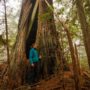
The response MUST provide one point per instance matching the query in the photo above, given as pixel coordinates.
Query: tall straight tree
(6, 27)
(85, 27)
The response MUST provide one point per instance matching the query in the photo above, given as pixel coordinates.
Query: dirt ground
(58, 81)
(55, 82)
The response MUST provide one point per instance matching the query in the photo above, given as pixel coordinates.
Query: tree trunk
(48, 38)
(85, 28)
(6, 27)
(18, 55)
(74, 61)
(77, 58)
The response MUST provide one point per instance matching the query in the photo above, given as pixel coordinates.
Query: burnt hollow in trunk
(33, 32)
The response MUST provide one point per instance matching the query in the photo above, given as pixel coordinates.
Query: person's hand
(40, 56)
(32, 65)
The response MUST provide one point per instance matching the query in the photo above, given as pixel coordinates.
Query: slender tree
(6, 27)
(74, 60)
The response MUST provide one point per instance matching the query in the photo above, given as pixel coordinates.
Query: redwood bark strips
(17, 63)
(47, 37)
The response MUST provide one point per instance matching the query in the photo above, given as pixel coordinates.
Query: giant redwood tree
(36, 24)
(27, 24)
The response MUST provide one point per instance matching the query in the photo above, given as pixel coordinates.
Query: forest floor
(57, 82)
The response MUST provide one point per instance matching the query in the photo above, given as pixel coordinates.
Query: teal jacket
(33, 55)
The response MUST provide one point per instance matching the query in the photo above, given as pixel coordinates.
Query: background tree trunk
(6, 27)
(74, 61)
(85, 28)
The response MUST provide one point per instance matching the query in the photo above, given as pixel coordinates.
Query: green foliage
(74, 30)
(87, 9)
(46, 16)
(61, 11)
(84, 64)
(58, 1)
(12, 16)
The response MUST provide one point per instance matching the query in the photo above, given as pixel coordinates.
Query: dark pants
(34, 73)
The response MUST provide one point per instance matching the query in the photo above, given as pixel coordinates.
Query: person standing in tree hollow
(34, 59)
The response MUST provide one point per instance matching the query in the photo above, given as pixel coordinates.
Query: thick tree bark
(85, 28)
(47, 38)
(18, 55)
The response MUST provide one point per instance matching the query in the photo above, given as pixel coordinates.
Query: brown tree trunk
(74, 61)
(18, 55)
(85, 28)
(48, 37)
(77, 58)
